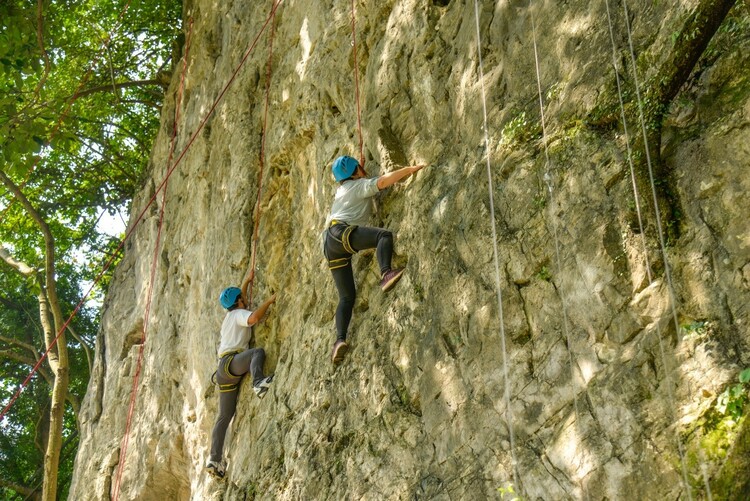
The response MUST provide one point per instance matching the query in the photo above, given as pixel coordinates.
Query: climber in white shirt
(235, 360)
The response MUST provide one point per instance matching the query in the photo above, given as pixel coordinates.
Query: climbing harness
(498, 288)
(334, 264)
(225, 359)
(344, 236)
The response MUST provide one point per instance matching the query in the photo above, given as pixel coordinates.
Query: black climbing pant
(232, 367)
(339, 259)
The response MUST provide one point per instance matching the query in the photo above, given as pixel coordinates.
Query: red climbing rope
(142, 214)
(131, 409)
(261, 161)
(154, 261)
(73, 98)
(356, 90)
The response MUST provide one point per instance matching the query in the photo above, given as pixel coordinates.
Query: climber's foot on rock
(339, 352)
(390, 278)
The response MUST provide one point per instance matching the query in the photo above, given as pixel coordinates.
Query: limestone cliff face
(418, 410)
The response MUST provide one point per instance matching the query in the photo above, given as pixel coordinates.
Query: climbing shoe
(216, 469)
(390, 278)
(262, 387)
(339, 352)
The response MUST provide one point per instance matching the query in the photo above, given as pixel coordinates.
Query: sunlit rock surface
(602, 386)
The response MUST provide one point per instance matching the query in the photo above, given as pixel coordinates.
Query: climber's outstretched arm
(394, 177)
(257, 315)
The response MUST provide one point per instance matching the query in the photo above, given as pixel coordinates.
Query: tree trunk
(658, 93)
(58, 358)
(58, 350)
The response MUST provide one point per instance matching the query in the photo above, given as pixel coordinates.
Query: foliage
(544, 274)
(519, 129)
(720, 430)
(697, 329)
(22, 432)
(79, 108)
(732, 400)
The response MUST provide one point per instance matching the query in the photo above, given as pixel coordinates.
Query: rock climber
(236, 360)
(346, 234)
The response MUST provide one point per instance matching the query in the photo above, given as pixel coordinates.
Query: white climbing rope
(662, 245)
(508, 410)
(548, 180)
(627, 144)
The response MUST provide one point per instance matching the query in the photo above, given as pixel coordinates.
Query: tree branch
(48, 300)
(20, 489)
(657, 93)
(114, 86)
(11, 355)
(21, 267)
(20, 344)
(40, 41)
(31, 362)
(696, 33)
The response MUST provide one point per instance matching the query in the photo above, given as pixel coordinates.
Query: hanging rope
(71, 100)
(356, 90)
(262, 157)
(152, 277)
(667, 368)
(498, 288)
(637, 198)
(142, 214)
(548, 181)
(636, 195)
(550, 188)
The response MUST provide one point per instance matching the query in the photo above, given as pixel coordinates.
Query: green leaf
(745, 376)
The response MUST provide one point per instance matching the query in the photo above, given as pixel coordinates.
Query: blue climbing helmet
(229, 297)
(344, 167)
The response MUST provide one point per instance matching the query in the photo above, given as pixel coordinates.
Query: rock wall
(603, 386)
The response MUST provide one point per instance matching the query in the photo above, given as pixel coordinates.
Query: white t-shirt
(235, 333)
(352, 202)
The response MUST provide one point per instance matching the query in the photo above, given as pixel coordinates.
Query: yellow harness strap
(229, 356)
(334, 264)
(345, 239)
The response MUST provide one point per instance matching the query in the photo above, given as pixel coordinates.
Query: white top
(235, 333)
(352, 203)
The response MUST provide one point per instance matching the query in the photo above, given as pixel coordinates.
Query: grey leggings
(228, 376)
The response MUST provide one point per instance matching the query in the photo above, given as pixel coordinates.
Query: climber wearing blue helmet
(346, 234)
(235, 360)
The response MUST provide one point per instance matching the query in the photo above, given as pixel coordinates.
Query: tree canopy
(81, 89)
